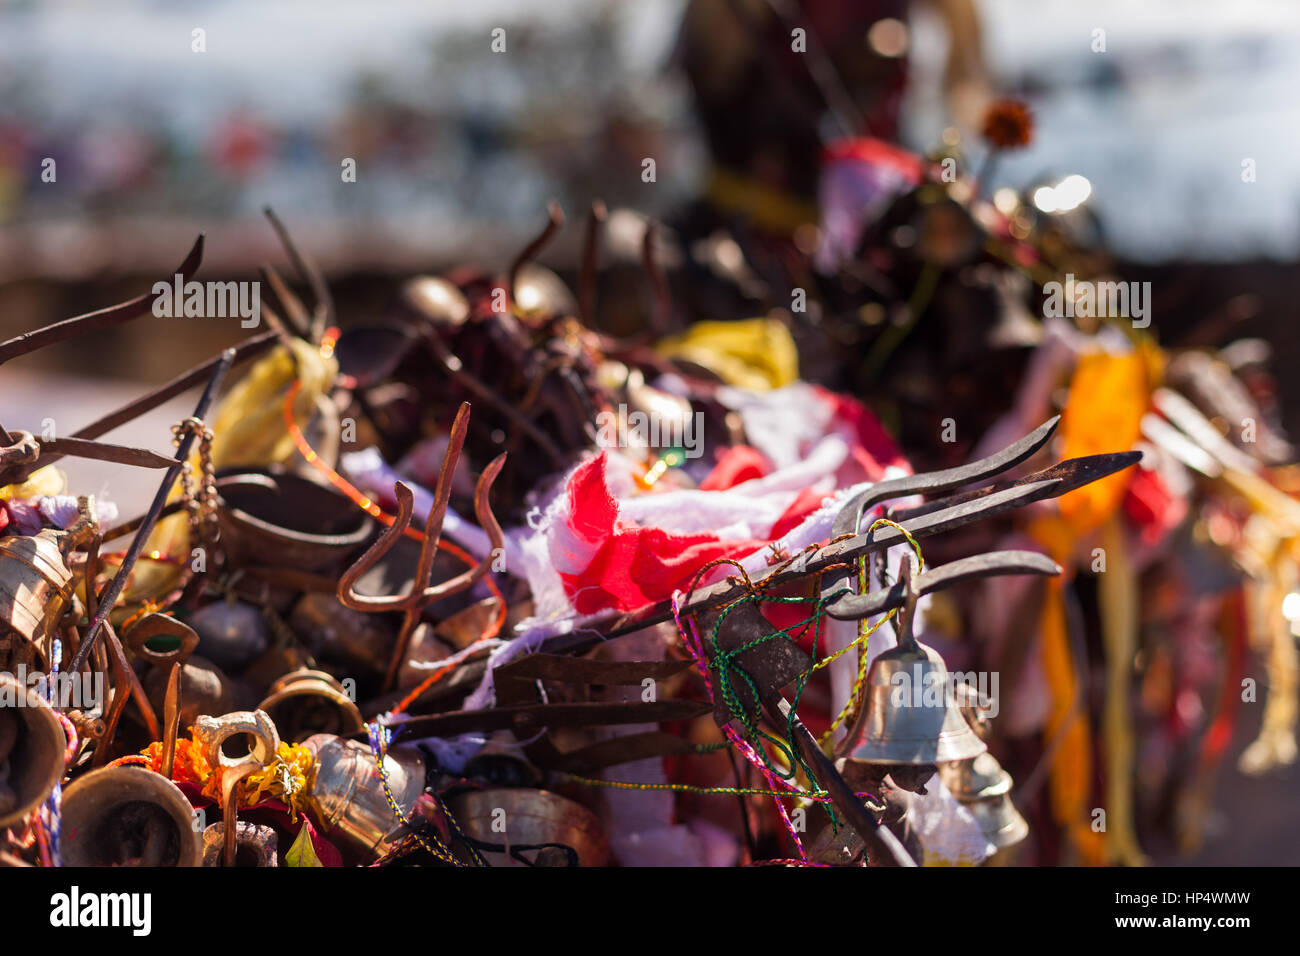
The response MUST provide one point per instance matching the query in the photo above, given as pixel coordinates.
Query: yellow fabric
(1070, 781)
(768, 209)
(757, 354)
(1109, 394)
(248, 428)
(43, 481)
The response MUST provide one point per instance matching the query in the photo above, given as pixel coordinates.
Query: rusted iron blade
(171, 719)
(849, 520)
(294, 310)
(517, 685)
(94, 321)
(308, 272)
(587, 275)
(103, 451)
(855, 606)
(254, 345)
(623, 749)
(662, 314)
(1075, 473)
(554, 222)
(250, 347)
(576, 670)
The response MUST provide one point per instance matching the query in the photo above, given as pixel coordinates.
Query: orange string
(373, 509)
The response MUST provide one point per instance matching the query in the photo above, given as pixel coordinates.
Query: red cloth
(735, 465)
(610, 563)
(875, 449)
(631, 566)
(1151, 506)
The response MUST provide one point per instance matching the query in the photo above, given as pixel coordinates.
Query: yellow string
(853, 705)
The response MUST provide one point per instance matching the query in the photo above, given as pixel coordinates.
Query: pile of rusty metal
(681, 628)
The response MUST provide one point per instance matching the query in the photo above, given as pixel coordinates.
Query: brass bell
(347, 802)
(436, 299)
(307, 702)
(32, 745)
(523, 817)
(911, 716)
(128, 816)
(346, 638)
(36, 588)
(984, 788)
(540, 292)
(255, 845)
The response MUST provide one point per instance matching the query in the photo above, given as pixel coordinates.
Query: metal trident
(422, 593)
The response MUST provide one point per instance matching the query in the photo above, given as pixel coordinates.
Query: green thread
(727, 669)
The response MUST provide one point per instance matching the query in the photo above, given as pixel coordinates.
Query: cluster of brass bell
(131, 816)
(915, 723)
(910, 717)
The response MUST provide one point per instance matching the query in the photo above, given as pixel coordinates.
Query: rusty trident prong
(587, 277)
(422, 592)
(554, 222)
(322, 313)
(97, 320)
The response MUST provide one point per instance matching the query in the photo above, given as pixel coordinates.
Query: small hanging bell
(984, 788)
(910, 716)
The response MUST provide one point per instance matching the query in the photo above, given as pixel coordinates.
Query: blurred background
(457, 149)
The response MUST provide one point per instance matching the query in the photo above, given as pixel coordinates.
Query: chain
(200, 501)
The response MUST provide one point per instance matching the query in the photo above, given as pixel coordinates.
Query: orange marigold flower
(1008, 124)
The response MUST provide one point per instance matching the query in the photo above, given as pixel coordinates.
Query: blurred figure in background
(775, 81)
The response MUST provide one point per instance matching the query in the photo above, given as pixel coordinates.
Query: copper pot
(281, 520)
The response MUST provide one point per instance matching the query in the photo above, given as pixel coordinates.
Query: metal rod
(171, 719)
(103, 451)
(94, 321)
(254, 345)
(309, 272)
(115, 587)
(882, 846)
(587, 277)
